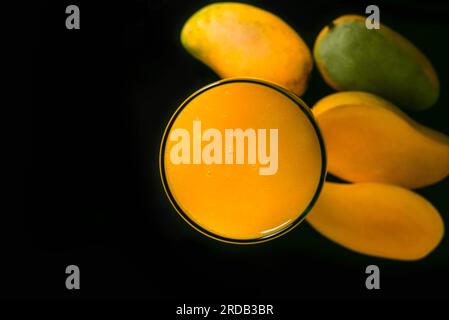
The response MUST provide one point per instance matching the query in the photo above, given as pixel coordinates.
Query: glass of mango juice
(242, 160)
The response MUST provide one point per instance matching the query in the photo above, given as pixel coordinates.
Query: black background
(102, 96)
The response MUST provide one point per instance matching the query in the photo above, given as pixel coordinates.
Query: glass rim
(290, 226)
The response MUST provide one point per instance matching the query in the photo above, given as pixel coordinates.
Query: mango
(368, 139)
(240, 40)
(351, 57)
(379, 220)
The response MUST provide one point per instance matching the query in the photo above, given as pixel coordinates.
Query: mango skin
(240, 40)
(368, 139)
(379, 220)
(351, 57)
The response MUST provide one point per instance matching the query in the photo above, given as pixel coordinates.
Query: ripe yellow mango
(351, 57)
(368, 139)
(240, 40)
(377, 219)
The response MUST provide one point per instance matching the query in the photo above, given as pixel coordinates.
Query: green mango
(350, 56)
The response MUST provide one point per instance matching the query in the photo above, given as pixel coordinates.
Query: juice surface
(241, 201)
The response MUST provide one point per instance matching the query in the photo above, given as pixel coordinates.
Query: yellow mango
(378, 220)
(368, 139)
(240, 40)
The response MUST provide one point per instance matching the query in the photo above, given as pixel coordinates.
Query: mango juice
(242, 160)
